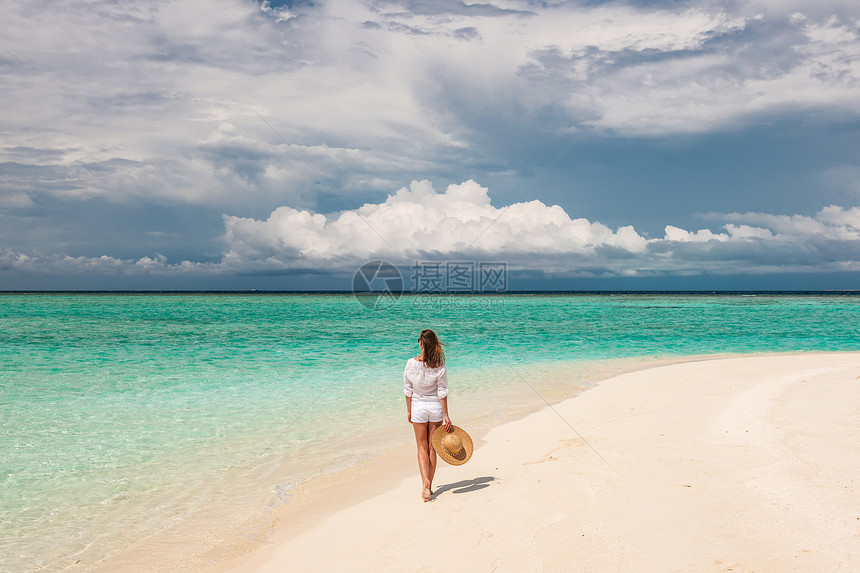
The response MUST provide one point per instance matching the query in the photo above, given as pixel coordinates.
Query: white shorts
(426, 412)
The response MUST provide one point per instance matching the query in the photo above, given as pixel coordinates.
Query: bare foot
(426, 492)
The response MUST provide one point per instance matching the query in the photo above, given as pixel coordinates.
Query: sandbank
(747, 463)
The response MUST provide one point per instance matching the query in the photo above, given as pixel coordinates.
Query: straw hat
(454, 447)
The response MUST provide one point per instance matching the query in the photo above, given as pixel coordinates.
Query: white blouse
(424, 384)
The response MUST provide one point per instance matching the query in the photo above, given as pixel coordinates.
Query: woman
(425, 384)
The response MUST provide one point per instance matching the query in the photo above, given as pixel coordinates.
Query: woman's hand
(449, 427)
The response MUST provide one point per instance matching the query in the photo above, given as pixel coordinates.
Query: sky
(238, 144)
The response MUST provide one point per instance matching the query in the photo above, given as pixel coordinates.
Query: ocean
(132, 417)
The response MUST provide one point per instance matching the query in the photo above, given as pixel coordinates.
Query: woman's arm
(407, 391)
(449, 427)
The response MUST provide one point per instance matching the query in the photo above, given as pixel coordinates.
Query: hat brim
(463, 455)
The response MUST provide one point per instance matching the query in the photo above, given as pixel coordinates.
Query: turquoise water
(124, 414)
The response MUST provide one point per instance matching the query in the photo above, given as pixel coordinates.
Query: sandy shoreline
(743, 463)
(208, 535)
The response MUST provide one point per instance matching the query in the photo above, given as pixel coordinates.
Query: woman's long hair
(434, 356)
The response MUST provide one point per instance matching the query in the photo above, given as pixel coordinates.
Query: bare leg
(430, 427)
(422, 440)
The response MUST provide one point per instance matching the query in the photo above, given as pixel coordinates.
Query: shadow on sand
(465, 486)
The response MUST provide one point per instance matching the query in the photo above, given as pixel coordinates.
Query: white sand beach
(731, 464)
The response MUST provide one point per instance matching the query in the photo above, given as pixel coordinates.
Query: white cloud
(137, 95)
(417, 223)
(677, 234)
(63, 264)
(747, 232)
(823, 224)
